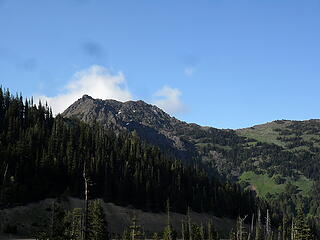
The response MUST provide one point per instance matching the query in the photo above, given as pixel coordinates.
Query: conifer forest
(53, 157)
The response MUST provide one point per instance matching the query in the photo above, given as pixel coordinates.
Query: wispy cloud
(189, 71)
(100, 82)
(96, 81)
(168, 99)
(190, 61)
(93, 49)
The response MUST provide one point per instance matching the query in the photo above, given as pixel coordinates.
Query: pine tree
(212, 234)
(73, 223)
(202, 233)
(239, 232)
(285, 228)
(169, 233)
(301, 228)
(126, 235)
(97, 226)
(54, 227)
(135, 230)
(155, 236)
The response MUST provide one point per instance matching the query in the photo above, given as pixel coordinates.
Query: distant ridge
(272, 148)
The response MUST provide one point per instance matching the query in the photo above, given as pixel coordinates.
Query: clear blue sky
(234, 63)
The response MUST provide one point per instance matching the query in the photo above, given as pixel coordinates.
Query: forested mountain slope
(278, 160)
(285, 148)
(298, 139)
(42, 156)
(132, 155)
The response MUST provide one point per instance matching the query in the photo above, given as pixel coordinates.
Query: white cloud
(97, 82)
(169, 100)
(189, 71)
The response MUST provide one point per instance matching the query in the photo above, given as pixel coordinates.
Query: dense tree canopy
(43, 156)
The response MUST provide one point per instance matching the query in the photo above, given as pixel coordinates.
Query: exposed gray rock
(184, 140)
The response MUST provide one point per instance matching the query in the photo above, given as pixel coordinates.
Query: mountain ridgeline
(43, 156)
(291, 149)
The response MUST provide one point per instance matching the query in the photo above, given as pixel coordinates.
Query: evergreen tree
(73, 223)
(54, 226)
(126, 235)
(97, 225)
(155, 236)
(135, 230)
(301, 228)
(239, 232)
(169, 233)
(202, 232)
(212, 234)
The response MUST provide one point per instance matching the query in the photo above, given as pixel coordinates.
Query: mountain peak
(85, 96)
(152, 123)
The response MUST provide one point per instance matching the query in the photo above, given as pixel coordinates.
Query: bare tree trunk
(252, 224)
(268, 224)
(85, 219)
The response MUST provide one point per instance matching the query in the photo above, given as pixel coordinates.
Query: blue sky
(227, 64)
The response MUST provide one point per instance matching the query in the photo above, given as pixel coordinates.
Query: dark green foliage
(97, 224)
(212, 233)
(126, 235)
(155, 236)
(73, 223)
(44, 157)
(278, 179)
(169, 233)
(197, 232)
(301, 228)
(135, 230)
(54, 227)
(239, 232)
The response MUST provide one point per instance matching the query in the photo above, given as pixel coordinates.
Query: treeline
(42, 156)
(69, 225)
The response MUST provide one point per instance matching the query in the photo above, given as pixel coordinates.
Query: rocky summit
(150, 122)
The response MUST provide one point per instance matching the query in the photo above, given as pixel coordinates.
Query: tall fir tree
(97, 226)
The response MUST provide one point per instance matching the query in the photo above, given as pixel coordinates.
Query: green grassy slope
(265, 132)
(263, 184)
(282, 133)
